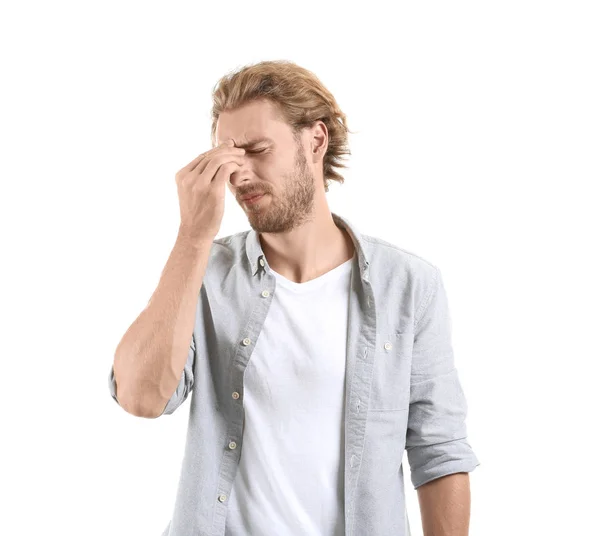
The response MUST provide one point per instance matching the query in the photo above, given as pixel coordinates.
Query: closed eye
(256, 151)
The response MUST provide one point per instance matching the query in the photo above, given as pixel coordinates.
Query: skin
(445, 505)
(296, 229)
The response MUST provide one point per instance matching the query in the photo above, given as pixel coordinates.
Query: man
(316, 355)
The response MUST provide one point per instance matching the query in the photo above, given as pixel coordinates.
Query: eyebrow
(254, 142)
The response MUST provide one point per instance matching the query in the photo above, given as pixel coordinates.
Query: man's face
(276, 167)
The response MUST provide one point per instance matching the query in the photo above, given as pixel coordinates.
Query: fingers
(208, 169)
(224, 172)
(225, 146)
(219, 157)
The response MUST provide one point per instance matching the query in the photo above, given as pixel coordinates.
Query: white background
(477, 148)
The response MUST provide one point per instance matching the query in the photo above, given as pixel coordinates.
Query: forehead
(257, 119)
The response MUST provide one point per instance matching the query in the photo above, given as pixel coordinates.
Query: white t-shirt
(290, 479)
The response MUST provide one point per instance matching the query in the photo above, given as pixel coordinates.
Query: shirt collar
(258, 261)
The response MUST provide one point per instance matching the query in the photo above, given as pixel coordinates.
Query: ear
(319, 141)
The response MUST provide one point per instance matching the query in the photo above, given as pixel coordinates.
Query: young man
(316, 355)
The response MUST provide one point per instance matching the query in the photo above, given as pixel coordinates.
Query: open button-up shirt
(402, 388)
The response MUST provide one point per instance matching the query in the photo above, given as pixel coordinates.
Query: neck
(310, 250)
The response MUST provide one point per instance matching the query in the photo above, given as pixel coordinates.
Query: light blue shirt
(402, 388)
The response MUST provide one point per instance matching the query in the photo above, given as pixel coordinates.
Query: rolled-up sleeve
(185, 386)
(436, 437)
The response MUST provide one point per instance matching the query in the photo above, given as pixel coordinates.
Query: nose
(243, 174)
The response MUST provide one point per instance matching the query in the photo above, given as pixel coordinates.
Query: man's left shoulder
(393, 257)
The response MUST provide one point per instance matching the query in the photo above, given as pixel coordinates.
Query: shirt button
(246, 341)
(262, 262)
(265, 293)
(388, 345)
(235, 395)
(232, 445)
(222, 498)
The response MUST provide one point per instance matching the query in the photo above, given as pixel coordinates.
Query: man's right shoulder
(227, 249)
(234, 240)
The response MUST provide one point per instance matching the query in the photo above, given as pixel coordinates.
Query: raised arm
(158, 348)
(150, 359)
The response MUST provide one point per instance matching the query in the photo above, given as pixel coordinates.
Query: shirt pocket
(390, 388)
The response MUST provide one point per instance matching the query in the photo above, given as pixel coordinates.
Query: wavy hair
(300, 98)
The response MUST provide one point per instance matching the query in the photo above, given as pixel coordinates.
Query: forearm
(445, 505)
(150, 358)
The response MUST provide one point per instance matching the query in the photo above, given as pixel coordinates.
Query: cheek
(269, 171)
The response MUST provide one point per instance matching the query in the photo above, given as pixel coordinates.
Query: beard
(295, 205)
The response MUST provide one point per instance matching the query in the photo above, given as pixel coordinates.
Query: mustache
(252, 192)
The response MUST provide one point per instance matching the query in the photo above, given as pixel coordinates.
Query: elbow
(137, 398)
(144, 406)
(142, 398)
(141, 410)
(147, 413)
(140, 403)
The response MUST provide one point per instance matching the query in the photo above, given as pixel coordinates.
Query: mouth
(252, 199)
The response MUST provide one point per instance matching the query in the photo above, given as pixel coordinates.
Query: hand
(201, 191)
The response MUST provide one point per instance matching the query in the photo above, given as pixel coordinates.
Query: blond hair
(300, 98)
